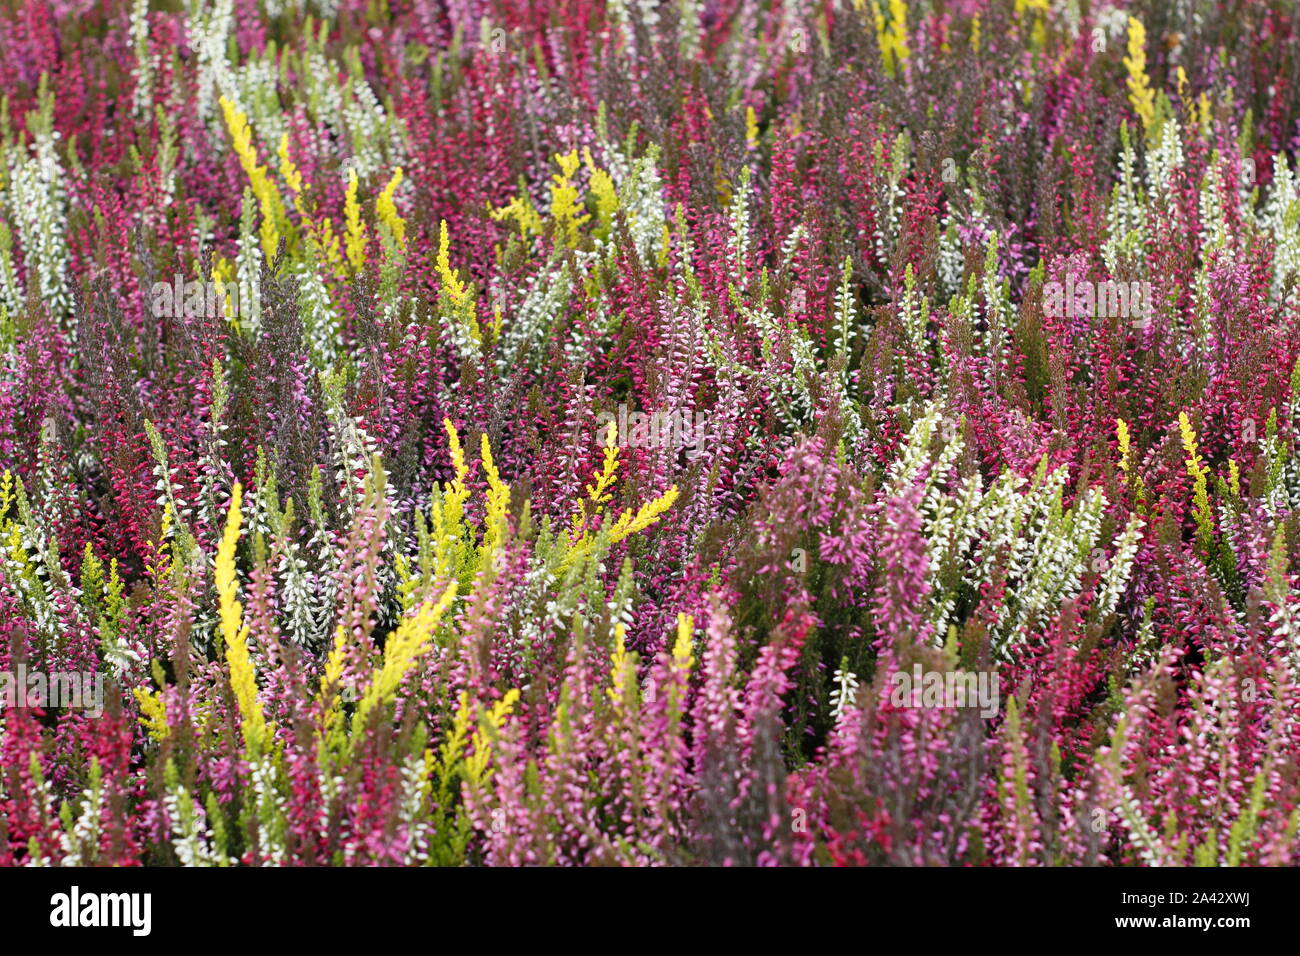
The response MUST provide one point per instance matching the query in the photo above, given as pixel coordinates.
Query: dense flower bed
(683, 432)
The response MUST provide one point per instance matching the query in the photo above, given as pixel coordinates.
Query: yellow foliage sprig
(411, 640)
(1198, 473)
(566, 204)
(891, 36)
(234, 633)
(224, 277)
(490, 724)
(523, 212)
(447, 514)
(356, 240)
(1140, 94)
(602, 189)
(20, 561)
(629, 524)
(680, 665)
(454, 744)
(386, 209)
(323, 240)
(153, 712)
(1131, 477)
(328, 697)
(268, 197)
(458, 740)
(1121, 432)
(290, 172)
(621, 673)
(453, 289)
(682, 656)
(457, 491)
(498, 502)
(598, 495)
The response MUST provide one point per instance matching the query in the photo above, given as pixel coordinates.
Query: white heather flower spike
(844, 691)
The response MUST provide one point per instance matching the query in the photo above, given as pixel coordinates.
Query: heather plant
(337, 344)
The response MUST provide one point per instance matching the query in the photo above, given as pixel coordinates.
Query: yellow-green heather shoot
(476, 766)
(1198, 473)
(498, 501)
(1140, 93)
(234, 633)
(646, 515)
(682, 657)
(621, 674)
(386, 208)
(412, 639)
